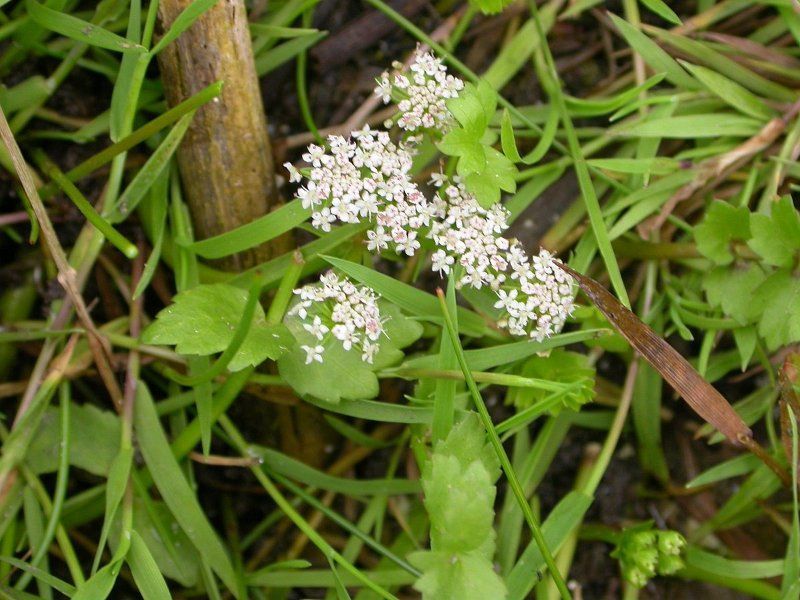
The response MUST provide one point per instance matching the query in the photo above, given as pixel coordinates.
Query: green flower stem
(87, 210)
(302, 88)
(285, 291)
(508, 469)
(481, 377)
(241, 445)
(610, 443)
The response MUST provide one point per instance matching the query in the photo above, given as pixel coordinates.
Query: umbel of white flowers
(336, 307)
(367, 178)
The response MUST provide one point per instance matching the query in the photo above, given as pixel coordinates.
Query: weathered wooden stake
(225, 157)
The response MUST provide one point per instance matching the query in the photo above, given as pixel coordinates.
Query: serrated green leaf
(722, 225)
(777, 237)
(465, 146)
(780, 320)
(342, 374)
(745, 338)
(563, 366)
(202, 321)
(731, 288)
(462, 576)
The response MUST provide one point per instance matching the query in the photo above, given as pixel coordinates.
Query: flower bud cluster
(644, 553)
(338, 308)
(424, 91)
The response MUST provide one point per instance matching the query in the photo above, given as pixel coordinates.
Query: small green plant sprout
(458, 482)
(644, 553)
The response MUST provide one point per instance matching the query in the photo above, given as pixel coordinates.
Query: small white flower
(295, 176)
(317, 328)
(313, 353)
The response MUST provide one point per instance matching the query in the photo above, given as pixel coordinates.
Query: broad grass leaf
(483, 359)
(656, 166)
(202, 321)
(166, 542)
(289, 467)
(734, 467)
(662, 10)
(144, 180)
(149, 581)
(561, 521)
(709, 125)
(54, 582)
(376, 411)
(93, 445)
(342, 374)
(182, 22)
(583, 107)
(736, 569)
(731, 92)
(275, 57)
(175, 489)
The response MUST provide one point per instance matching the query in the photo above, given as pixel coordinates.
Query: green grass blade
(147, 175)
(175, 490)
(78, 29)
(275, 57)
(182, 22)
(257, 232)
(149, 580)
(556, 528)
(656, 57)
(727, 90)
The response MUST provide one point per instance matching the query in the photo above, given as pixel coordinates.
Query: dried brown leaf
(676, 370)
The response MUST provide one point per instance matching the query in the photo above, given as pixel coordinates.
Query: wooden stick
(225, 157)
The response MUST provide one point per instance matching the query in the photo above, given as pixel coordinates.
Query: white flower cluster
(338, 308)
(367, 178)
(424, 90)
(535, 295)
